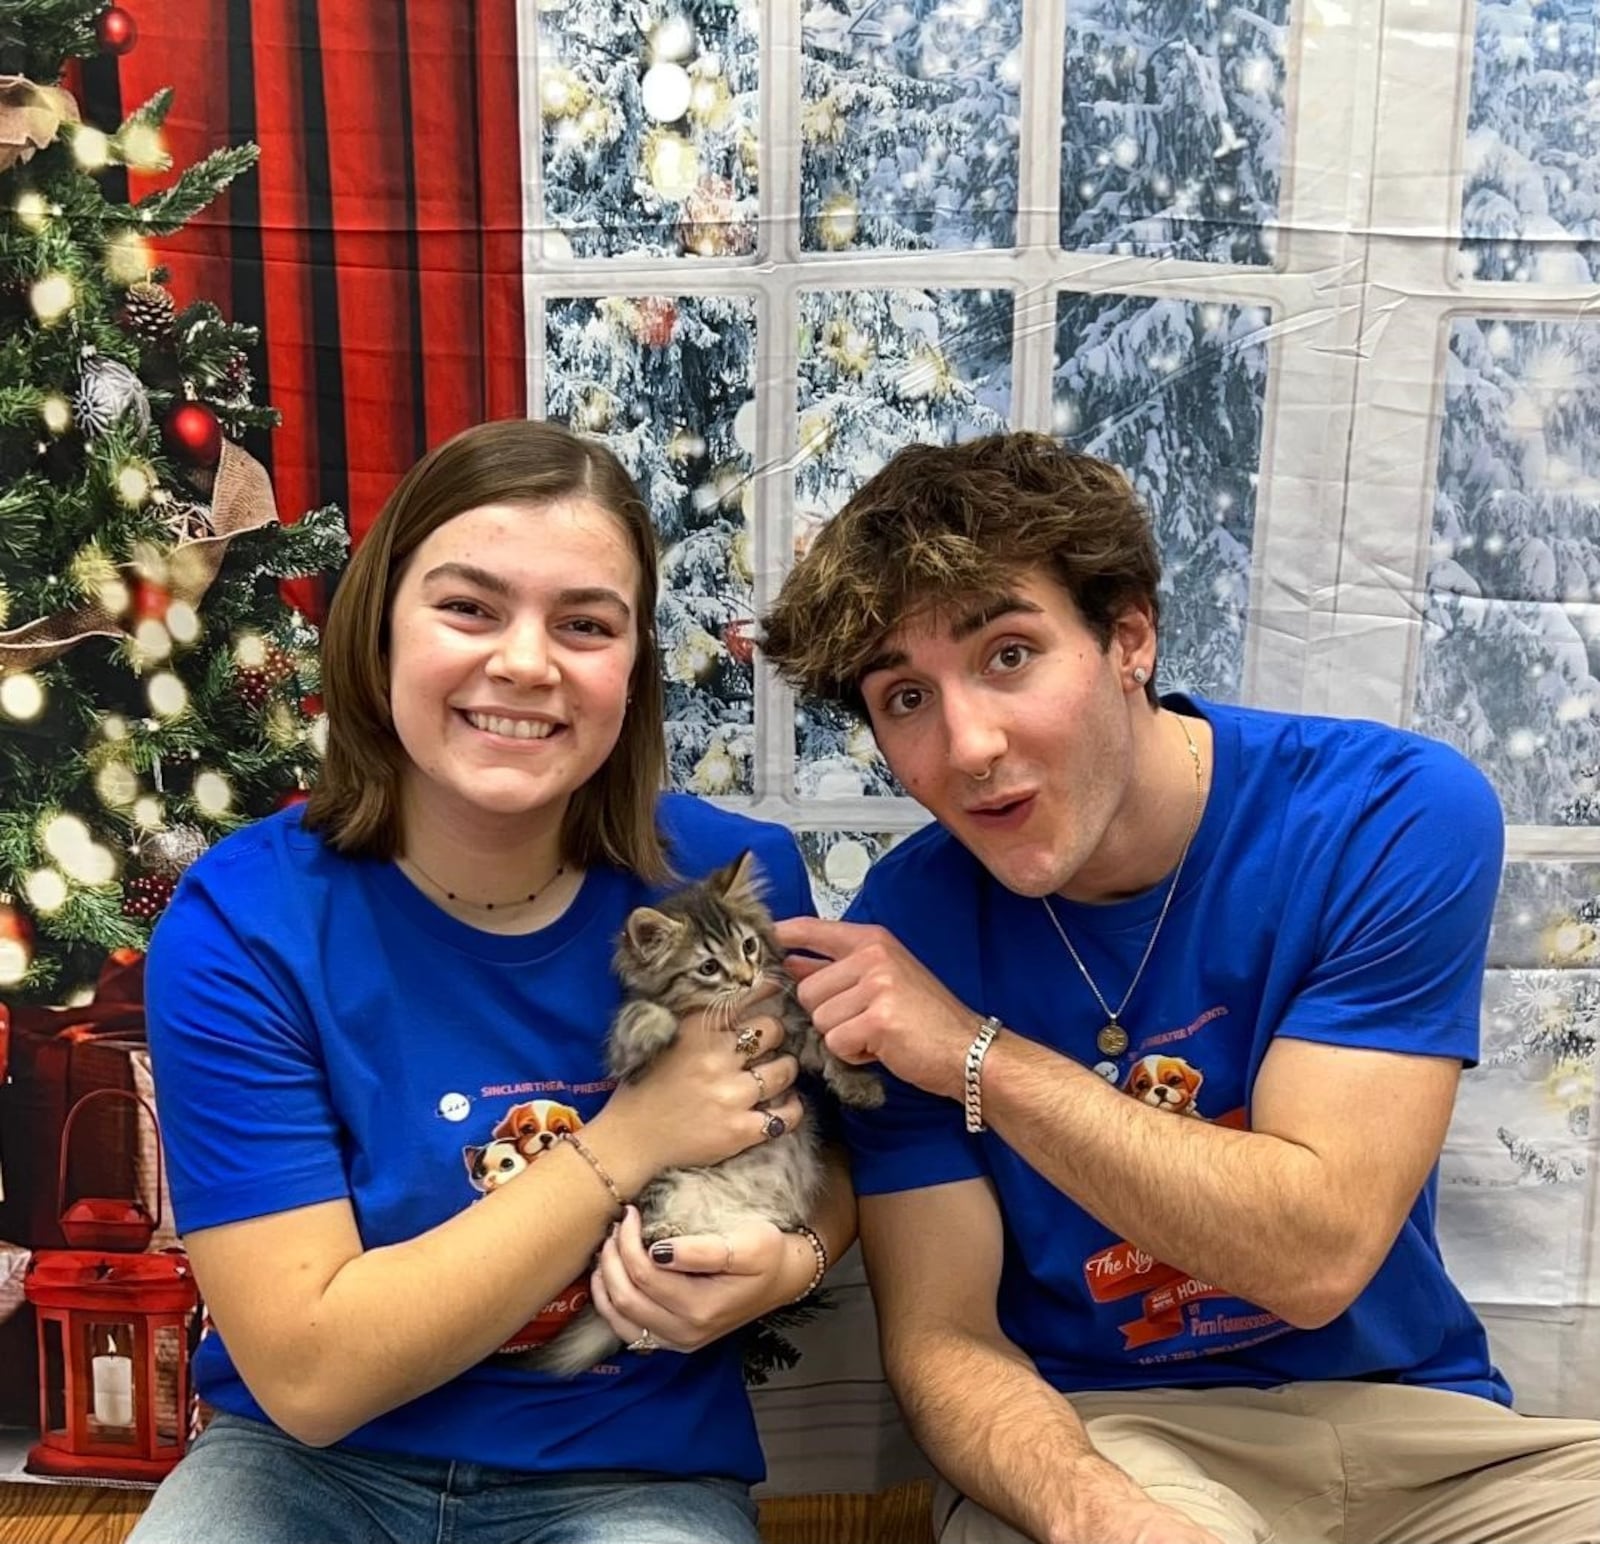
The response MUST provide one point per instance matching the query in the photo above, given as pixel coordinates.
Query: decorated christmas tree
(155, 690)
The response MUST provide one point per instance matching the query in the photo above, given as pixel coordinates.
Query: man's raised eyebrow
(991, 611)
(889, 659)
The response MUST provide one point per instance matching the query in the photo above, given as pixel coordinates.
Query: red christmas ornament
(293, 797)
(254, 683)
(150, 601)
(191, 433)
(655, 321)
(115, 31)
(738, 642)
(16, 944)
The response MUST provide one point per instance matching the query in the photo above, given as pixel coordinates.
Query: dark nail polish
(661, 1253)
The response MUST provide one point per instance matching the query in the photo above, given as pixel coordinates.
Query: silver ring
(761, 1082)
(645, 1344)
(985, 776)
(748, 1041)
(773, 1128)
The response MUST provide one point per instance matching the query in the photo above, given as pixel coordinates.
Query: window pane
(650, 115)
(1530, 198)
(1512, 629)
(1173, 128)
(910, 123)
(1174, 392)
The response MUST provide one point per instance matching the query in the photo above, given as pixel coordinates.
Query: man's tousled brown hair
(946, 525)
(356, 800)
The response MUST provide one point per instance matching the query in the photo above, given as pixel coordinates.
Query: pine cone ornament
(107, 390)
(150, 314)
(166, 854)
(145, 898)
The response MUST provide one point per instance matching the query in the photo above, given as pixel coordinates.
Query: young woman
(377, 1026)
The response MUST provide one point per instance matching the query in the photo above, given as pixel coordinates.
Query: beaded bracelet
(582, 1147)
(820, 1250)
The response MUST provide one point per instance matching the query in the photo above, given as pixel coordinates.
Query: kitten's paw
(855, 1086)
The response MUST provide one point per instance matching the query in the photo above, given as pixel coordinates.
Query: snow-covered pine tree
(1172, 128)
(1173, 391)
(154, 689)
(1509, 661)
(1530, 207)
(910, 123)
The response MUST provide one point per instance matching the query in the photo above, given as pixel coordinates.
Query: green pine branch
(171, 208)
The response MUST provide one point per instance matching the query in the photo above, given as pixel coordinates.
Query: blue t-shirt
(1339, 889)
(321, 1031)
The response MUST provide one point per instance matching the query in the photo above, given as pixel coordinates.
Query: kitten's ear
(650, 931)
(741, 880)
(470, 1157)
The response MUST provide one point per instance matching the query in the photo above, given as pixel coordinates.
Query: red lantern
(113, 1337)
(115, 31)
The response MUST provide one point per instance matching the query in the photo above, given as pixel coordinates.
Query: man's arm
(991, 1425)
(1295, 1215)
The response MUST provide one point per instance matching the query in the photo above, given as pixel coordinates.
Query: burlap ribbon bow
(30, 117)
(241, 500)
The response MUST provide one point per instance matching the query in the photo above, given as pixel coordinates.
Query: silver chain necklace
(1112, 1040)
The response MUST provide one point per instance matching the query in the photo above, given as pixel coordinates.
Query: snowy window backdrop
(1531, 193)
(1318, 275)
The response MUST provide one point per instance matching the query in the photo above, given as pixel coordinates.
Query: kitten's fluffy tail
(585, 1341)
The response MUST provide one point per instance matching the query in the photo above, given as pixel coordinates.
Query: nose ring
(983, 777)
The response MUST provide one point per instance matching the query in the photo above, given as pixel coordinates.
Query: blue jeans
(247, 1483)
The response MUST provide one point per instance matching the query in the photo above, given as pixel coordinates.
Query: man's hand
(1107, 1504)
(872, 1001)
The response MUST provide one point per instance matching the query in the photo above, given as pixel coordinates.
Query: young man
(1175, 997)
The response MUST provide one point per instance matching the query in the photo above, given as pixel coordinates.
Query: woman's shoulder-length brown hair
(356, 801)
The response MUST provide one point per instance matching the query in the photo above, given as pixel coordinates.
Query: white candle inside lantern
(113, 1387)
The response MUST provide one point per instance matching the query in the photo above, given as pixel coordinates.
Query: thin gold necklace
(1112, 1039)
(463, 900)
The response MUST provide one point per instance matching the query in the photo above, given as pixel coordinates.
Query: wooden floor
(84, 1514)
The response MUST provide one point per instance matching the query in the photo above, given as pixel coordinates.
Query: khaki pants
(1337, 1463)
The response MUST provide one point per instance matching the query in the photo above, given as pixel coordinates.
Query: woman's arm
(328, 1335)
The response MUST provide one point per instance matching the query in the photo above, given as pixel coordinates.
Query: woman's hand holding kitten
(695, 1104)
(712, 1284)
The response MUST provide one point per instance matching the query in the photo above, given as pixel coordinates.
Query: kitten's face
(710, 941)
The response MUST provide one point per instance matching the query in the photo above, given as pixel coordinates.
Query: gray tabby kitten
(702, 948)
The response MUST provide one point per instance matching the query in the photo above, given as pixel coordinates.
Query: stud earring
(1140, 675)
